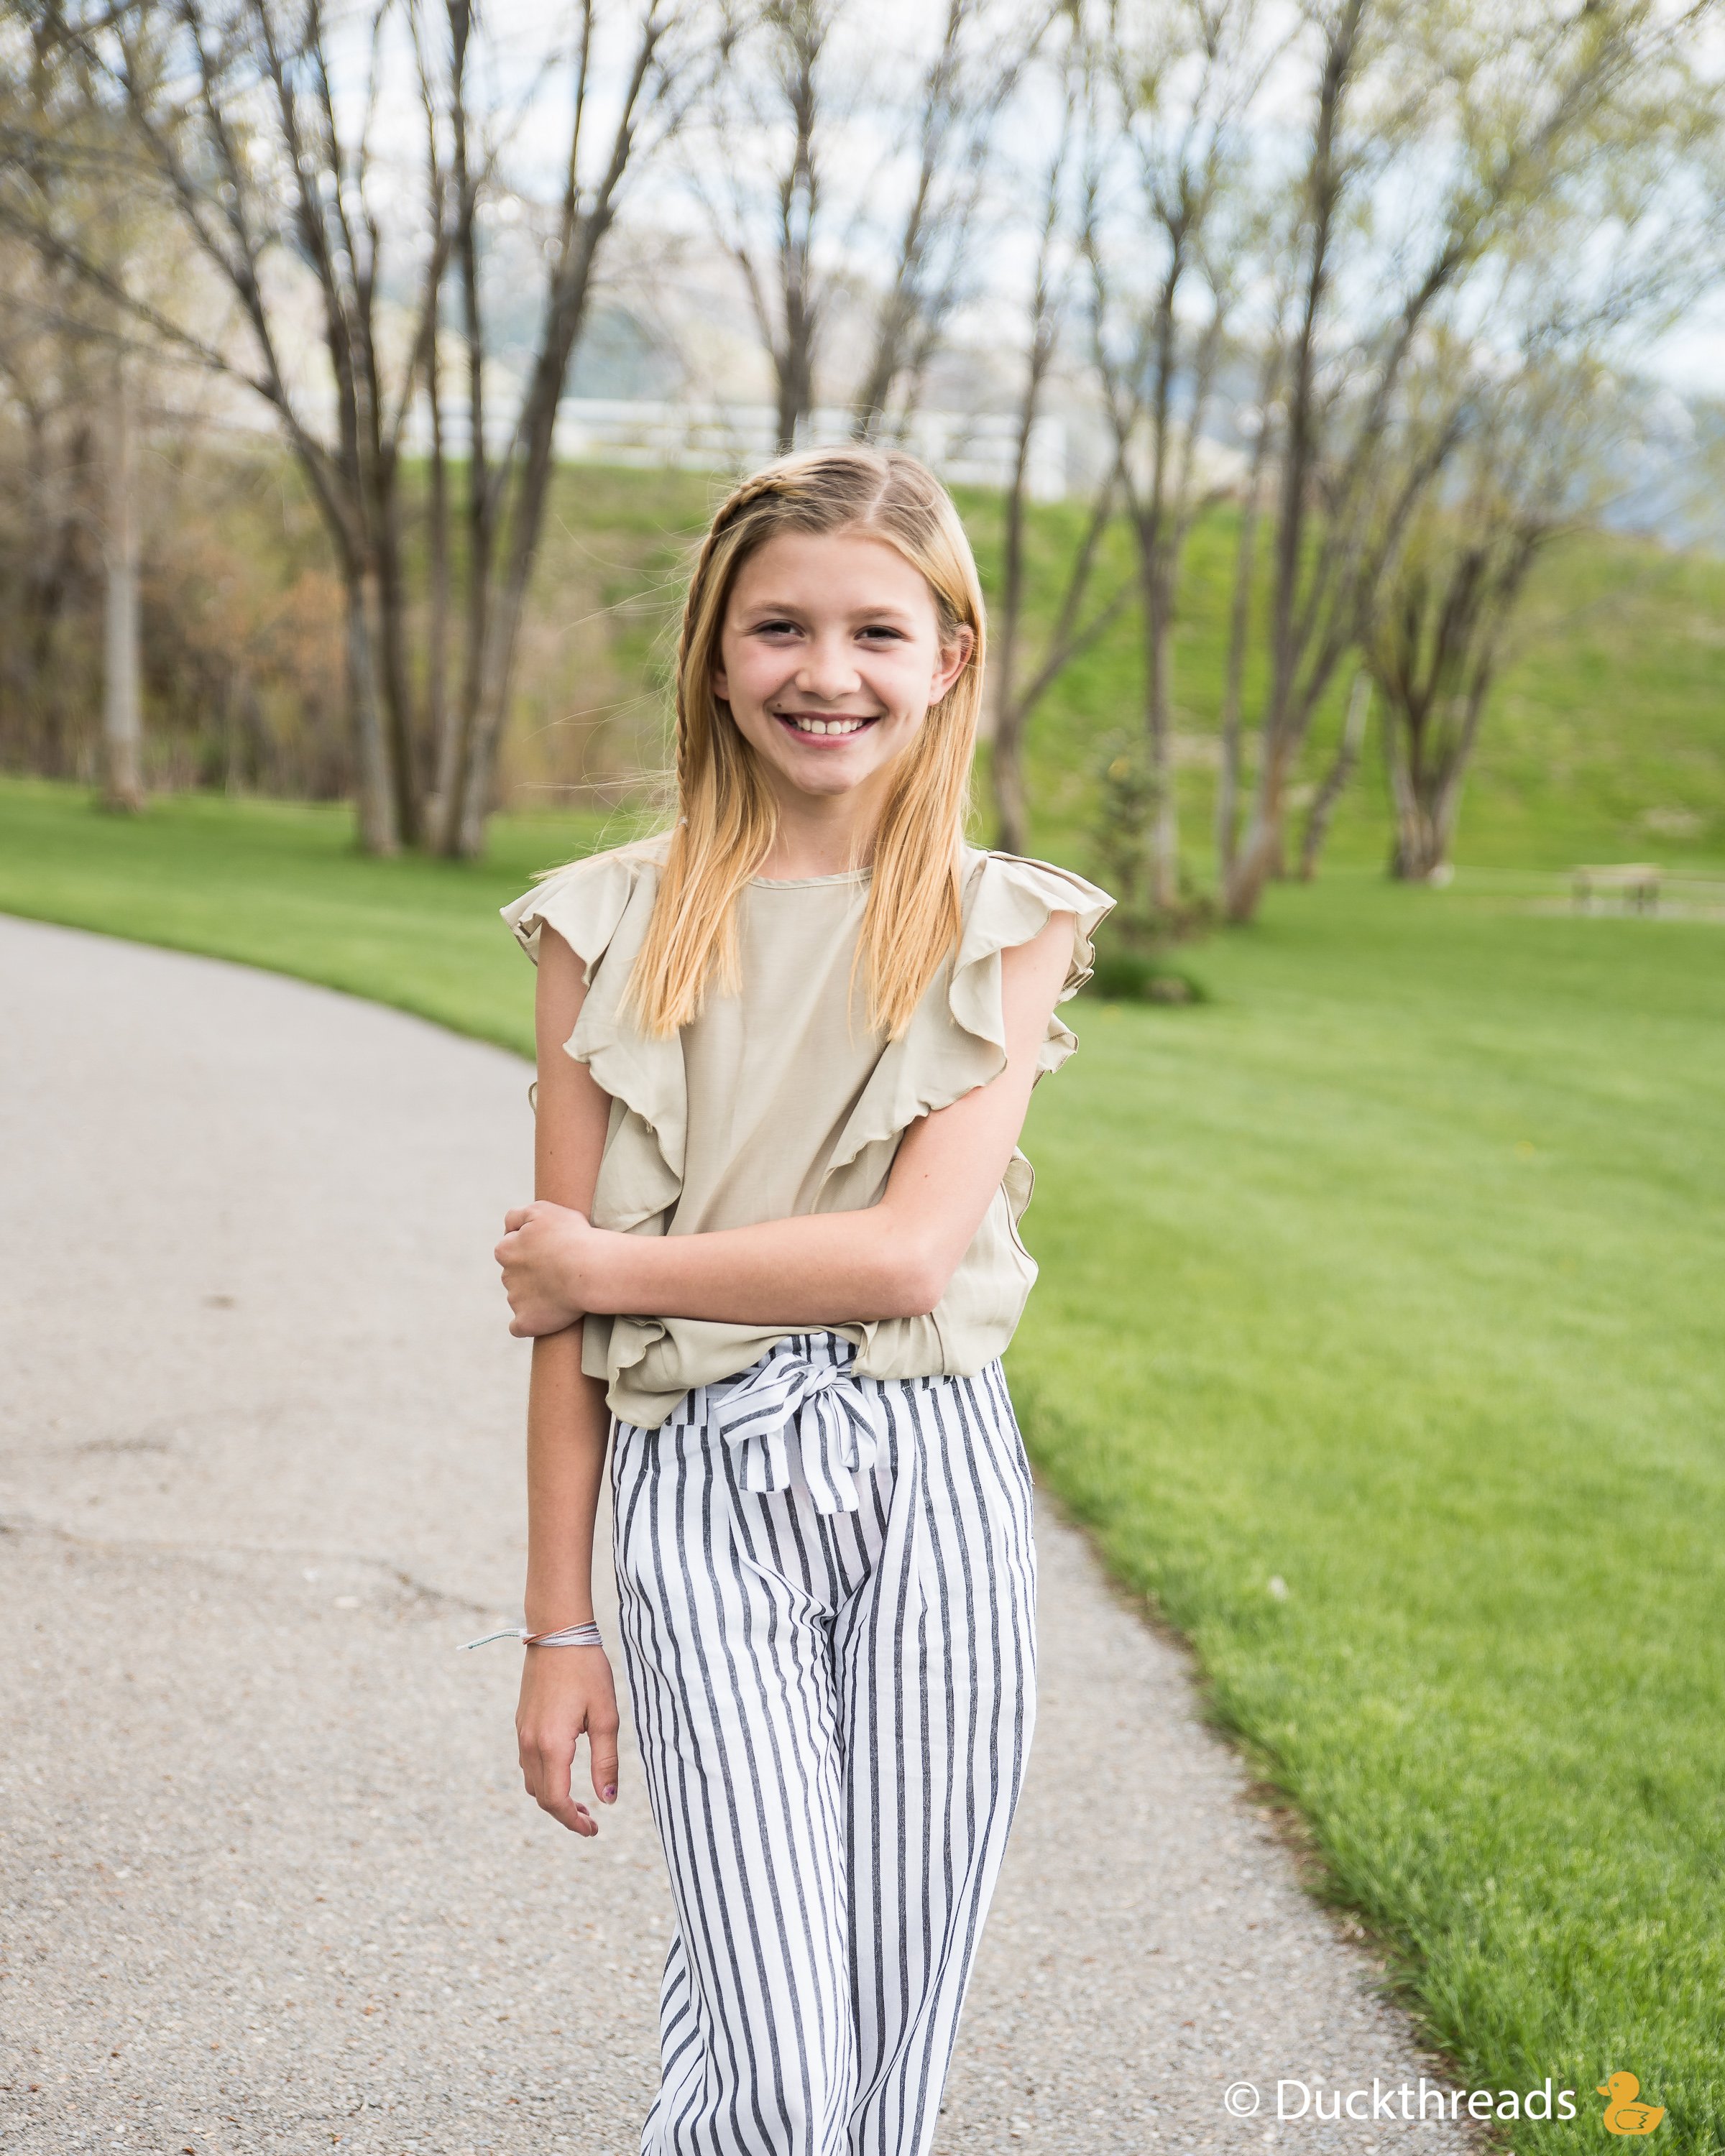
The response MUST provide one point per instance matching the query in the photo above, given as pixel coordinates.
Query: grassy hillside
(1378, 1338)
(1606, 738)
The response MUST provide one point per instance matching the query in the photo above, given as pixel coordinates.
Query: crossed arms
(891, 1259)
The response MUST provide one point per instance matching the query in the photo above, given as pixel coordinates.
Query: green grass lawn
(279, 885)
(1392, 1273)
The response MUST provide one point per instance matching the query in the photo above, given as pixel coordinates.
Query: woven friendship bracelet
(572, 1636)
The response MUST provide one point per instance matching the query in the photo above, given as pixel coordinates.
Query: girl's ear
(721, 686)
(954, 658)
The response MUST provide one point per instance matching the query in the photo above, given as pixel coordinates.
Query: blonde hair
(726, 814)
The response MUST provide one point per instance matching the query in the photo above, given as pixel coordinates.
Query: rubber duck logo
(1623, 2113)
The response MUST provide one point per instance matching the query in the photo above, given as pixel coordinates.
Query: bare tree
(1326, 801)
(1537, 460)
(1436, 653)
(985, 46)
(46, 397)
(71, 371)
(1520, 99)
(259, 121)
(759, 167)
(1549, 427)
(1023, 677)
(1261, 420)
(1176, 90)
(122, 681)
(792, 173)
(507, 497)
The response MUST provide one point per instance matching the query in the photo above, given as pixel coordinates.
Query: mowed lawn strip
(1391, 1275)
(279, 885)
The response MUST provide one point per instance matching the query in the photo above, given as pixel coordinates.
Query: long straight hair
(726, 816)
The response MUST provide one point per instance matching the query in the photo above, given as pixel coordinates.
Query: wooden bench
(1636, 882)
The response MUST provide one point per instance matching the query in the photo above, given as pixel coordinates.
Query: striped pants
(828, 1591)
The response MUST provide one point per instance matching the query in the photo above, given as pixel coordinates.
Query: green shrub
(1126, 976)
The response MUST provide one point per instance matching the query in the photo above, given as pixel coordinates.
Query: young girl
(785, 1054)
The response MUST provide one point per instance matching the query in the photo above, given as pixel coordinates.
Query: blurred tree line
(1379, 273)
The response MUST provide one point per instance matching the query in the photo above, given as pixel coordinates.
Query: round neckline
(804, 883)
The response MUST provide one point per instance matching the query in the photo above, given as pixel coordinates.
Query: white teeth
(807, 725)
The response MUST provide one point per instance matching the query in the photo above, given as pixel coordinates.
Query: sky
(883, 42)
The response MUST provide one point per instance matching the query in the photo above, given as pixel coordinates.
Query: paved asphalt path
(269, 1879)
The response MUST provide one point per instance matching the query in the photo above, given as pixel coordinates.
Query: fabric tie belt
(840, 1426)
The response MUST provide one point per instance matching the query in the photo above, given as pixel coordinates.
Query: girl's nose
(829, 671)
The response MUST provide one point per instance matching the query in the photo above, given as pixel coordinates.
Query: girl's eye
(775, 629)
(887, 635)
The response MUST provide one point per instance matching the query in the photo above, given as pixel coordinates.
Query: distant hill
(1605, 738)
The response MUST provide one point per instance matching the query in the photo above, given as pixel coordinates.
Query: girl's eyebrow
(765, 609)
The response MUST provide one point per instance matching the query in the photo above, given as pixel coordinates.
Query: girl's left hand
(543, 1255)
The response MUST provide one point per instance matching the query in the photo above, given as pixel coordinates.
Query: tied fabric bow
(838, 1416)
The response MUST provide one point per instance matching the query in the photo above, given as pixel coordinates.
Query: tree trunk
(1006, 776)
(1259, 860)
(1227, 769)
(439, 711)
(1410, 858)
(1353, 729)
(497, 675)
(1239, 623)
(397, 678)
(790, 409)
(122, 703)
(481, 499)
(796, 377)
(504, 602)
(1262, 856)
(1427, 795)
(1446, 806)
(379, 831)
(1164, 851)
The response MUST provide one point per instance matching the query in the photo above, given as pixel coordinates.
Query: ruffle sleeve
(957, 1039)
(584, 903)
(601, 907)
(1015, 901)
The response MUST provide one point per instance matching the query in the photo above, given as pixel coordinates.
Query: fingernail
(610, 1795)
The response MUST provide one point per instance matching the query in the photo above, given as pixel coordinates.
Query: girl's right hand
(566, 1690)
(545, 1255)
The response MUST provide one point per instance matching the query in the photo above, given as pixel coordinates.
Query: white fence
(967, 448)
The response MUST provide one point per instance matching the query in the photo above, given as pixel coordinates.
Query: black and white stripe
(833, 1703)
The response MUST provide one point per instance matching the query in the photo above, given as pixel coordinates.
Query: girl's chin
(832, 776)
(825, 764)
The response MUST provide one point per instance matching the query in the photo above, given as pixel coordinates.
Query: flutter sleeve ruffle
(1014, 899)
(601, 907)
(584, 903)
(956, 1040)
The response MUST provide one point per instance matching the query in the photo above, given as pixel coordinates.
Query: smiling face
(829, 657)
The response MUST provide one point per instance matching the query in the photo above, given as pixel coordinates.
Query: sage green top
(781, 1100)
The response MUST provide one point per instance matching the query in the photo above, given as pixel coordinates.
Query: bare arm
(564, 1690)
(893, 1260)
